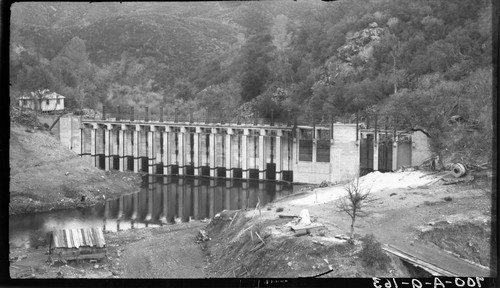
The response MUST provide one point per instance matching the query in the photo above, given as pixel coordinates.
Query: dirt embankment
(45, 175)
(405, 213)
(246, 245)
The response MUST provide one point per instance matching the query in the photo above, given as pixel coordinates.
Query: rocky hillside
(353, 55)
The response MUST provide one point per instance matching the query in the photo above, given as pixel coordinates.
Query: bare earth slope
(411, 212)
(45, 175)
(166, 252)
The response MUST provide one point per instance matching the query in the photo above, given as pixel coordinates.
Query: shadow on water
(162, 200)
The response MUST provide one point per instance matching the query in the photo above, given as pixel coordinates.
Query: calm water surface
(162, 200)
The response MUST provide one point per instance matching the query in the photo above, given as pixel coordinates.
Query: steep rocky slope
(45, 175)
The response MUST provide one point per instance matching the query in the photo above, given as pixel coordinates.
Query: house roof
(45, 95)
(74, 238)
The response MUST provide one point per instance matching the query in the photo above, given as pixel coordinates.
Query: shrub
(279, 209)
(372, 254)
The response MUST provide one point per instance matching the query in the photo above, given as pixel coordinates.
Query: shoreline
(27, 205)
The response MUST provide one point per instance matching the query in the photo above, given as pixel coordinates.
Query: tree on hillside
(256, 55)
(254, 18)
(354, 203)
(76, 74)
(281, 40)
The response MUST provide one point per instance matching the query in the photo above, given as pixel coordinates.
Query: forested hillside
(427, 64)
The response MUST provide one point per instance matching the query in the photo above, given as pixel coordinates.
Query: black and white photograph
(268, 141)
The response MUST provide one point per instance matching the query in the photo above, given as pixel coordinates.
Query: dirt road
(169, 252)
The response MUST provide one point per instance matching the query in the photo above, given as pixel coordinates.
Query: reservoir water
(161, 200)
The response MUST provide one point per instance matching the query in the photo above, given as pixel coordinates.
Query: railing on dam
(282, 119)
(364, 120)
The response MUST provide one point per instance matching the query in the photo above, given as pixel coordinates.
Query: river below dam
(162, 200)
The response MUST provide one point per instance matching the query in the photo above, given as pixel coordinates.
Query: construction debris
(458, 170)
(305, 219)
(260, 237)
(234, 217)
(202, 237)
(306, 229)
(288, 216)
(456, 181)
(325, 184)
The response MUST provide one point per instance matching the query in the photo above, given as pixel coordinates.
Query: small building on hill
(77, 244)
(47, 101)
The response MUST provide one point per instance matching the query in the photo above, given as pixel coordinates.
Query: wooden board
(86, 256)
(439, 260)
(301, 229)
(432, 269)
(288, 216)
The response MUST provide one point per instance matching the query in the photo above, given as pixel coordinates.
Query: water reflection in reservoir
(169, 198)
(162, 200)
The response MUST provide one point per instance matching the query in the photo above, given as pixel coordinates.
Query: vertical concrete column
(93, 144)
(295, 147)
(375, 152)
(228, 152)
(212, 152)
(136, 148)
(279, 133)
(262, 157)
(157, 150)
(334, 161)
(166, 150)
(196, 150)
(107, 146)
(315, 146)
(244, 154)
(181, 158)
(395, 154)
(151, 152)
(82, 141)
(121, 147)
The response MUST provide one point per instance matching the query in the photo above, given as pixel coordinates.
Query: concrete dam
(334, 152)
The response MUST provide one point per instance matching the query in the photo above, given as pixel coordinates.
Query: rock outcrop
(358, 45)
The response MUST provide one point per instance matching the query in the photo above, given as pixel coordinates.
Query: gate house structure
(335, 152)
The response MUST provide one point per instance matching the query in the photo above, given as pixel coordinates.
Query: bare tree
(354, 202)
(37, 96)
